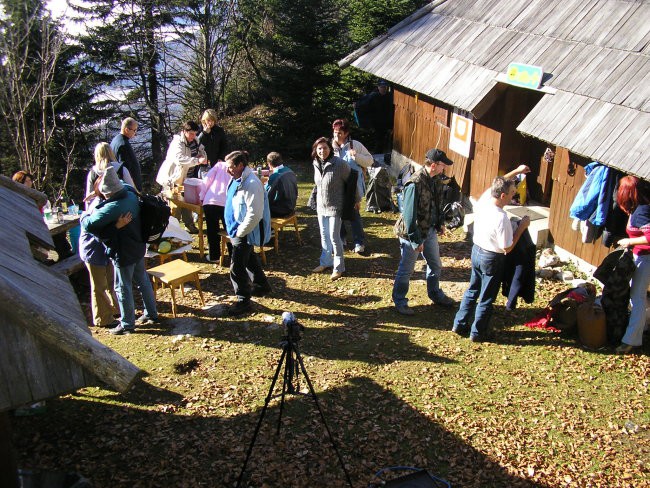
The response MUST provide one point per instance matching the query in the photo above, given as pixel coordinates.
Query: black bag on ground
(378, 193)
(154, 217)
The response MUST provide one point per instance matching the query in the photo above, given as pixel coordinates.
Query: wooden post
(73, 340)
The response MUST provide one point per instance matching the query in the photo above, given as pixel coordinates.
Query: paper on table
(174, 230)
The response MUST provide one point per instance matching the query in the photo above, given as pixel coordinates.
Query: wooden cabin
(46, 348)
(475, 61)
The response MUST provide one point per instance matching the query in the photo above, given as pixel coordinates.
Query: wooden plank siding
(421, 124)
(565, 189)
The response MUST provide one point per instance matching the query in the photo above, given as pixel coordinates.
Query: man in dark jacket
(116, 221)
(124, 151)
(417, 229)
(282, 187)
(375, 110)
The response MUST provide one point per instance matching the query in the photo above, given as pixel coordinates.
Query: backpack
(154, 217)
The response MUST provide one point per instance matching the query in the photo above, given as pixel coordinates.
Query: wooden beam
(71, 339)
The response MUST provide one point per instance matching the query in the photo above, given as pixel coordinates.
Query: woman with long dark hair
(330, 176)
(634, 198)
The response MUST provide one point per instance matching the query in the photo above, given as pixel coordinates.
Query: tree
(203, 35)
(124, 51)
(39, 81)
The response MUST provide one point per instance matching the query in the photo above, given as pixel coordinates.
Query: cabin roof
(46, 348)
(596, 54)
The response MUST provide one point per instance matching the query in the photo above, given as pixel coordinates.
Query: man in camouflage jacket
(417, 229)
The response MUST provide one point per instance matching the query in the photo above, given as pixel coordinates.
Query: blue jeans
(478, 300)
(125, 277)
(431, 254)
(640, 281)
(357, 229)
(330, 242)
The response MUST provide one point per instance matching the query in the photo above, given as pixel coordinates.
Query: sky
(58, 9)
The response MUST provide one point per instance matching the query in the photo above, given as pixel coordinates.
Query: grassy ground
(532, 409)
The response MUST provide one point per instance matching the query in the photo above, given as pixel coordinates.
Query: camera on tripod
(293, 328)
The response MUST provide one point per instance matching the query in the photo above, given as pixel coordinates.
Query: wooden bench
(69, 265)
(278, 223)
(224, 248)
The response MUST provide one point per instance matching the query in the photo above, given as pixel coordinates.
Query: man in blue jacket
(248, 224)
(116, 221)
(282, 187)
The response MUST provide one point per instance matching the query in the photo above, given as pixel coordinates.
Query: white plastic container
(192, 188)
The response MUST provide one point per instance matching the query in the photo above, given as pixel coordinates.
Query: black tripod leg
(322, 416)
(259, 422)
(286, 383)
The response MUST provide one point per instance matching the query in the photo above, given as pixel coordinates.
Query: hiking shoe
(121, 330)
(480, 338)
(240, 308)
(210, 260)
(111, 325)
(336, 275)
(359, 248)
(192, 229)
(145, 320)
(260, 290)
(624, 349)
(404, 310)
(445, 301)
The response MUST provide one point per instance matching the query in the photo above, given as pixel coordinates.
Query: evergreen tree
(124, 51)
(203, 34)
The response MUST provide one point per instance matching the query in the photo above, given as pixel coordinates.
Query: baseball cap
(438, 155)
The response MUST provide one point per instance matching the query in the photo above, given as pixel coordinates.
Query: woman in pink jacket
(213, 196)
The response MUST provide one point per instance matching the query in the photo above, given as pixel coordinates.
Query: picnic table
(68, 222)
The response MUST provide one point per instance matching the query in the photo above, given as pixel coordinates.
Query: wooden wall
(565, 189)
(420, 125)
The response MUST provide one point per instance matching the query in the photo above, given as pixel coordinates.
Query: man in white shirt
(493, 239)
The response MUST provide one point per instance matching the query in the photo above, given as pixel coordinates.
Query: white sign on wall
(460, 139)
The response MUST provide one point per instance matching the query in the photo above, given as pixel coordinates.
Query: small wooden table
(175, 273)
(176, 200)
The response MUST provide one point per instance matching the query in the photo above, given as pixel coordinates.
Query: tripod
(293, 368)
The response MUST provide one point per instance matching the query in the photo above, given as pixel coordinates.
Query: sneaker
(240, 308)
(145, 320)
(404, 310)
(359, 248)
(120, 330)
(260, 290)
(336, 275)
(112, 325)
(445, 301)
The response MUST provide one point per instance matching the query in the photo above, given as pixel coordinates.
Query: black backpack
(154, 217)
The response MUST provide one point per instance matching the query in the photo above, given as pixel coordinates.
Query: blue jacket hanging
(593, 200)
